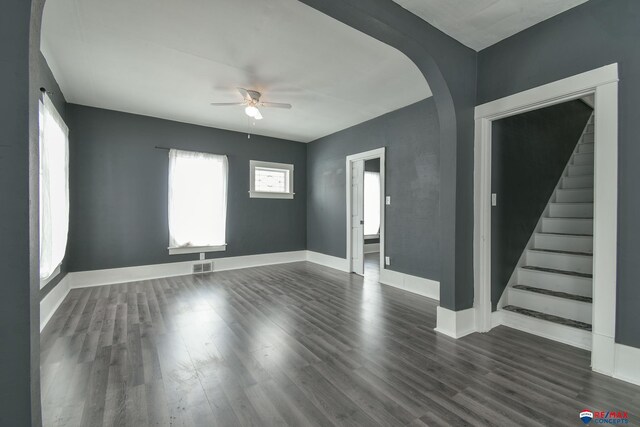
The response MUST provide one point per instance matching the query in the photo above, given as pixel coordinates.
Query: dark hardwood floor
(299, 344)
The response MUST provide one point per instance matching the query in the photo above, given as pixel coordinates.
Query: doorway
(602, 83)
(365, 212)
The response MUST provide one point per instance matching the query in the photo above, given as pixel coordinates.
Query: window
(371, 204)
(54, 189)
(271, 180)
(197, 202)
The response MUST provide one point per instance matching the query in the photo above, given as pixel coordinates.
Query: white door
(357, 216)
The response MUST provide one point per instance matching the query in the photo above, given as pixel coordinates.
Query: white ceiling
(481, 23)
(170, 59)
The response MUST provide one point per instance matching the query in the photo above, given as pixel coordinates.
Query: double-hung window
(54, 189)
(197, 202)
(271, 180)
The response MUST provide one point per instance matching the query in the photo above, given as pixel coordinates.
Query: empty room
(319, 212)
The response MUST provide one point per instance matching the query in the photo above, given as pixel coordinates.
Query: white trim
(253, 194)
(328, 261)
(417, 285)
(50, 303)
(603, 83)
(367, 155)
(626, 364)
(197, 249)
(455, 324)
(273, 195)
(370, 248)
(542, 328)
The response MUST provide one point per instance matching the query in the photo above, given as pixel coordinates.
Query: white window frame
(253, 164)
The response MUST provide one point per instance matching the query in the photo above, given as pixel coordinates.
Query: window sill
(266, 195)
(197, 249)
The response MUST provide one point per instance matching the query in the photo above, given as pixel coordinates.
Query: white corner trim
(417, 285)
(370, 248)
(627, 367)
(336, 263)
(50, 303)
(456, 324)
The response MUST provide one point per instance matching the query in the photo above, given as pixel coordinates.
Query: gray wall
(594, 34)
(450, 68)
(119, 190)
(411, 138)
(47, 81)
(528, 154)
(16, 257)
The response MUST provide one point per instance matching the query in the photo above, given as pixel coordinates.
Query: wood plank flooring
(299, 344)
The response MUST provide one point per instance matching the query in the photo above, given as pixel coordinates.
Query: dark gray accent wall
(597, 33)
(411, 138)
(119, 185)
(528, 155)
(47, 80)
(16, 262)
(450, 68)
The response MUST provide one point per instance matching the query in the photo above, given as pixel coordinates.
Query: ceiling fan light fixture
(258, 115)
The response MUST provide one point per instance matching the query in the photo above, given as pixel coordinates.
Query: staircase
(550, 292)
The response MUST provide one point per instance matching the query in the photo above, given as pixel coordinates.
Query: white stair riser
(571, 210)
(586, 147)
(553, 331)
(585, 181)
(569, 309)
(567, 262)
(564, 243)
(567, 225)
(588, 138)
(579, 170)
(583, 159)
(590, 128)
(574, 195)
(555, 282)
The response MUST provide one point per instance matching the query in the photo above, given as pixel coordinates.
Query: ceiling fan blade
(275, 105)
(226, 104)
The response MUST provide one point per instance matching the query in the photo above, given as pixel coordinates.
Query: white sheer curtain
(197, 199)
(371, 203)
(54, 188)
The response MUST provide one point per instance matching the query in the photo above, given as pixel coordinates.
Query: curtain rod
(157, 147)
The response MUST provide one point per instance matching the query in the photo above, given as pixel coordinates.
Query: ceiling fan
(252, 102)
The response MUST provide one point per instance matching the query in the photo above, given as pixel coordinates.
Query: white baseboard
(370, 248)
(417, 285)
(627, 367)
(52, 301)
(328, 261)
(456, 324)
(542, 328)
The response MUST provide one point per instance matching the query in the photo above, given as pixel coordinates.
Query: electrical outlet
(387, 260)
(387, 200)
(494, 199)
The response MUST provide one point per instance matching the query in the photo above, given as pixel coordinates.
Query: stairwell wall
(528, 155)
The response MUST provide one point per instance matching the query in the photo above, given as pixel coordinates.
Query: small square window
(271, 180)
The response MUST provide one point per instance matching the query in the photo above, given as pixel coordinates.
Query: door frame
(366, 155)
(603, 83)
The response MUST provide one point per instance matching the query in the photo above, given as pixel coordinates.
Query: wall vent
(202, 267)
